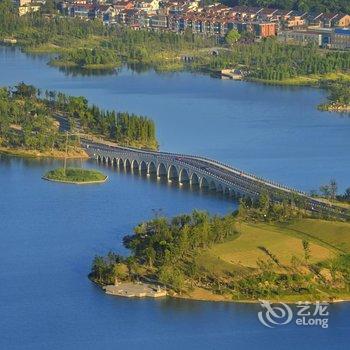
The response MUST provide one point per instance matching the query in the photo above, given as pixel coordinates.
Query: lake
(51, 232)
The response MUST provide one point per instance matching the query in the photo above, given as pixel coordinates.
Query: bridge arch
(135, 164)
(212, 186)
(161, 170)
(120, 163)
(204, 183)
(99, 158)
(151, 168)
(173, 173)
(194, 179)
(109, 160)
(227, 192)
(143, 167)
(115, 162)
(104, 160)
(127, 164)
(183, 176)
(219, 188)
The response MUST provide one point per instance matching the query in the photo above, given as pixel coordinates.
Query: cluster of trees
(270, 60)
(339, 95)
(330, 191)
(300, 5)
(27, 120)
(274, 279)
(86, 58)
(122, 127)
(268, 210)
(166, 249)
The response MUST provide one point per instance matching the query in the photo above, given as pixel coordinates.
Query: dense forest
(89, 58)
(270, 60)
(299, 5)
(173, 252)
(27, 120)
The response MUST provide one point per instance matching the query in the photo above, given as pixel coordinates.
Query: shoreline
(47, 154)
(216, 298)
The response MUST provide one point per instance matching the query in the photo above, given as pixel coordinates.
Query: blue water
(49, 233)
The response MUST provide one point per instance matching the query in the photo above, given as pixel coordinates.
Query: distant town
(327, 30)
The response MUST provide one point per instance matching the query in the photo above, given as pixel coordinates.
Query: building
(303, 37)
(28, 8)
(264, 29)
(340, 39)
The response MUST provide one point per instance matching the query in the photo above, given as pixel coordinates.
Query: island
(264, 250)
(77, 176)
(39, 123)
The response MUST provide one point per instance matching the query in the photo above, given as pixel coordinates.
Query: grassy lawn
(75, 175)
(312, 79)
(283, 240)
(333, 234)
(279, 241)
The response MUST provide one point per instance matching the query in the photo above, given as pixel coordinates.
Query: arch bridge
(200, 172)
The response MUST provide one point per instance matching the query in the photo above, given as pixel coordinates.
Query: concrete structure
(340, 39)
(203, 173)
(303, 37)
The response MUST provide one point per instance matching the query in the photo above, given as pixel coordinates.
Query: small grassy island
(75, 176)
(263, 250)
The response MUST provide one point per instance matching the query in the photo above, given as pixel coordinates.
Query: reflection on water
(163, 181)
(86, 72)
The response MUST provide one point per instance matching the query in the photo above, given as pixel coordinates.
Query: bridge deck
(222, 173)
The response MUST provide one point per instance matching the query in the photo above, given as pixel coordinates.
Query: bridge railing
(207, 160)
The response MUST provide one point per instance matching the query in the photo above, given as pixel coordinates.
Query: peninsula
(264, 250)
(49, 124)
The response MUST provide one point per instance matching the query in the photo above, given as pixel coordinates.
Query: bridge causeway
(201, 172)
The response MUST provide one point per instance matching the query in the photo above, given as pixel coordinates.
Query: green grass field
(327, 238)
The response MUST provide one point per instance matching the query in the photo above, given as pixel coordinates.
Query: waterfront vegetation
(263, 250)
(75, 175)
(90, 44)
(339, 96)
(274, 62)
(29, 123)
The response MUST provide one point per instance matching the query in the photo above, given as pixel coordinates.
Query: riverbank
(200, 294)
(334, 107)
(305, 80)
(17, 152)
(147, 290)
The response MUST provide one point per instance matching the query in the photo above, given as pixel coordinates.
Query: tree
(333, 188)
(120, 272)
(232, 37)
(306, 248)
